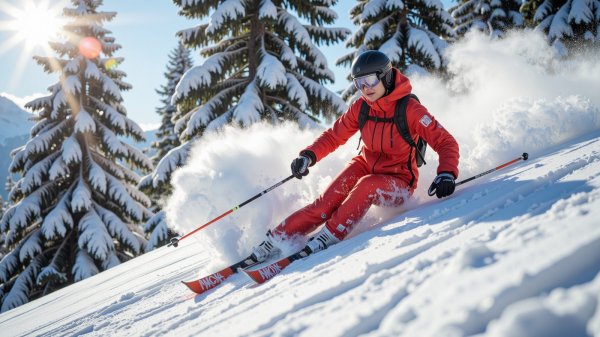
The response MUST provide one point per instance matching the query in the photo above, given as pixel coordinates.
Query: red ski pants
(345, 201)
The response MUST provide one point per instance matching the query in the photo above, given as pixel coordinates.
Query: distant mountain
(14, 121)
(14, 132)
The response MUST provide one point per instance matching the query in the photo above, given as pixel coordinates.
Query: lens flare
(111, 64)
(90, 47)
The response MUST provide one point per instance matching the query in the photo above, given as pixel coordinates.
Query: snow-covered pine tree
(412, 33)
(180, 61)
(262, 62)
(76, 204)
(492, 17)
(570, 25)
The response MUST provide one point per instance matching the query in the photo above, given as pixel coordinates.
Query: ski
(206, 283)
(267, 272)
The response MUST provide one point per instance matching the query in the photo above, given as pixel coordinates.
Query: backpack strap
(402, 125)
(363, 115)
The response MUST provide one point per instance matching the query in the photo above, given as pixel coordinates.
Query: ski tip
(206, 283)
(194, 286)
(263, 274)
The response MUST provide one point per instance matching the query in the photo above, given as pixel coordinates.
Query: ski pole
(524, 156)
(175, 241)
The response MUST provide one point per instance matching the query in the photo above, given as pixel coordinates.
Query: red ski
(206, 283)
(267, 272)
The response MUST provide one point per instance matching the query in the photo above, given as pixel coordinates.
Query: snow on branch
(115, 118)
(42, 142)
(71, 151)
(420, 41)
(118, 229)
(39, 103)
(250, 106)
(112, 142)
(374, 32)
(19, 293)
(560, 27)
(81, 199)
(119, 194)
(271, 73)
(56, 222)
(96, 176)
(93, 237)
(392, 48)
(285, 52)
(92, 71)
(199, 76)
(296, 92)
(267, 10)
(32, 246)
(157, 226)
(372, 9)
(174, 159)
(25, 211)
(84, 122)
(84, 266)
(324, 94)
(293, 27)
(110, 87)
(9, 265)
(71, 85)
(58, 168)
(36, 174)
(229, 10)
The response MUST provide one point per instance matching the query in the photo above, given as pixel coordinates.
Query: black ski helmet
(374, 62)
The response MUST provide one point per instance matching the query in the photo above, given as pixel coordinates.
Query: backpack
(402, 125)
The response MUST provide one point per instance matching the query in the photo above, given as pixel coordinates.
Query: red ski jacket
(384, 151)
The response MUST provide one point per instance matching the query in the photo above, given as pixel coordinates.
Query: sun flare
(31, 23)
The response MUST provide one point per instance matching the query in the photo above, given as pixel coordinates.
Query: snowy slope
(515, 253)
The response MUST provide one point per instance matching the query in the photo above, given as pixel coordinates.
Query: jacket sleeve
(422, 123)
(343, 128)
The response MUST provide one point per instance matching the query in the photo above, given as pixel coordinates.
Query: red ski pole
(175, 241)
(524, 156)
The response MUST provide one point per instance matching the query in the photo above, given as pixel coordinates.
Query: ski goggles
(370, 81)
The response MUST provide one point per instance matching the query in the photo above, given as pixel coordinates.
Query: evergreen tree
(262, 63)
(412, 33)
(180, 61)
(492, 17)
(76, 204)
(570, 25)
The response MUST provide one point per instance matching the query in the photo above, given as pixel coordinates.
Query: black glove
(443, 185)
(300, 166)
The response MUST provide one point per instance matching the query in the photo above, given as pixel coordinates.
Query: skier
(383, 173)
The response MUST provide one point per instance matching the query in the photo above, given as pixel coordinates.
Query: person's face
(370, 87)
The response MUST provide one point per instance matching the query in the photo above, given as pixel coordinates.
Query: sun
(30, 23)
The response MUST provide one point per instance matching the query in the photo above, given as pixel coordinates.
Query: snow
(513, 253)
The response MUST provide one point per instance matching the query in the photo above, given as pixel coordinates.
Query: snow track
(516, 253)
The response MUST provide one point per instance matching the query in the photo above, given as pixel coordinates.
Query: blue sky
(146, 30)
